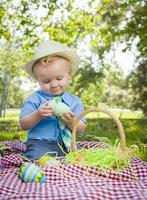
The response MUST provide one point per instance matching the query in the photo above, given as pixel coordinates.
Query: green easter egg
(30, 173)
(59, 108)
(52, 104)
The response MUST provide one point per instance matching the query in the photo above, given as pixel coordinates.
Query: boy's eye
(45, 82)
(59, 78)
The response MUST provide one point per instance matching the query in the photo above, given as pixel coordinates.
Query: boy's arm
(29, 121)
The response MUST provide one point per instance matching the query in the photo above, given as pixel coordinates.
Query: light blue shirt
(48, 128)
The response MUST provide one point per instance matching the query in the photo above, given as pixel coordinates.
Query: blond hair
(50, 59)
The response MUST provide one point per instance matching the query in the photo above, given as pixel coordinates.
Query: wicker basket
(115, 119)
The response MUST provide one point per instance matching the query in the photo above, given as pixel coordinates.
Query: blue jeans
(37, 148)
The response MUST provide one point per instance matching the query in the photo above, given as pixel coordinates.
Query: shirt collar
(64, 96)
(45, 95)
(66, 99)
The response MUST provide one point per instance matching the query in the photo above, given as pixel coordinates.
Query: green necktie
(65, 131)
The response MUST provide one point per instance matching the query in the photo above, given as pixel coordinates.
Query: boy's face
(53, 78)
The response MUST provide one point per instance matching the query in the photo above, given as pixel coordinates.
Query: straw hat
(51, 47)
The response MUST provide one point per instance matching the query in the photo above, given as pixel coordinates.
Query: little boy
(52, 66)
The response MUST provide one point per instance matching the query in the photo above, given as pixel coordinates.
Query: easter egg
(59, 108)
(30, 173)
(52, 103)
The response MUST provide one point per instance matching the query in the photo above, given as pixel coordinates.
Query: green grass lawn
(98, 125)
(11, 114)
(120, 114)
(126, 114)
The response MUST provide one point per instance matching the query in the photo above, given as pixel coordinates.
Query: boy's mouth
(55, 89)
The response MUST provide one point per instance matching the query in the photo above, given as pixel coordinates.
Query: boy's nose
(53, 84)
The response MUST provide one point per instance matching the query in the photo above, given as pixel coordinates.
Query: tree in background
(137, 82)
(116, 93)
(10, 61)
(109, 22)
(135, 28)
(15, 96)
(99, 24)
(23, 23)
(88, 85)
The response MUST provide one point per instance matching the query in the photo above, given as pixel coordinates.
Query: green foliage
(107, 23)
(16, 96)
(11, 62)
(116, 93)
(9, 130)
(104, 23)
(137, 23)
(11, 114)
(24, 20)
(137, 82)
(88, 84)
(12, 136)
(9, 126)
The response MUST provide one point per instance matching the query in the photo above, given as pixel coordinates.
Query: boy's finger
(64, 118)
(69, 114)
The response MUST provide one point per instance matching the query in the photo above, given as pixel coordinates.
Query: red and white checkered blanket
(71, 182)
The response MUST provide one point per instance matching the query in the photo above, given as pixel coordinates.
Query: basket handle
(115, 119)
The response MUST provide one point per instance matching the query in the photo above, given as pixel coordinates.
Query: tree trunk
(3, 102)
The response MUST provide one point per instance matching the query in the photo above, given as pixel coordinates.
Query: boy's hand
(44, 110)
(68, 118)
